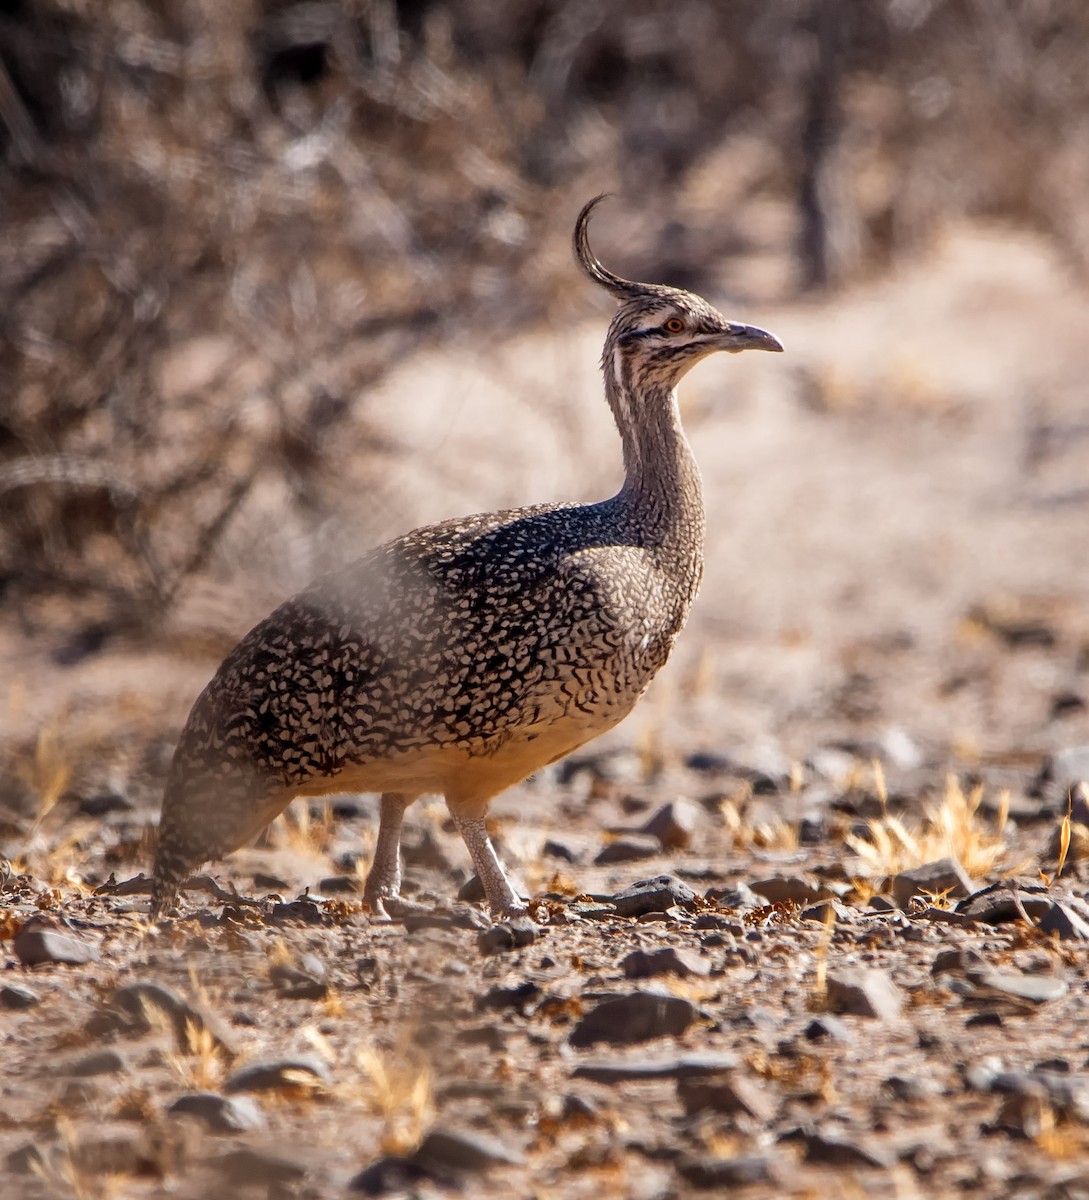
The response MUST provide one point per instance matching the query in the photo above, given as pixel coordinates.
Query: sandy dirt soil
(863, 969)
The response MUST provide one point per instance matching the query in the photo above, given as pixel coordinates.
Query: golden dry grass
(954, 828)
(396, 1088)
(776, 834)
(306, 828)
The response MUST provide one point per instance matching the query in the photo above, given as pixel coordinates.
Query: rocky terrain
(812, 922)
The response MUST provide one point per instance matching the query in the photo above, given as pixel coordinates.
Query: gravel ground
(813, 922)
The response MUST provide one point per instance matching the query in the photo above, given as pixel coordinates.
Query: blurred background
(280, 279)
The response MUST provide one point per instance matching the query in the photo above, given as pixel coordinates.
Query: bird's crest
(622, 289)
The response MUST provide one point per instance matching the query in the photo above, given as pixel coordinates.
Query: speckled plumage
(463, 656)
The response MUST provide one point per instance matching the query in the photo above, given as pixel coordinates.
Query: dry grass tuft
(398, 1091)
(954, 829)
(818, 997)
(307, 828)
(766, 835)
(204, 1065)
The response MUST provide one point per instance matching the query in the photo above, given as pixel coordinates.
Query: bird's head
(659, 333)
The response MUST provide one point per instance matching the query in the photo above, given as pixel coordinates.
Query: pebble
(248, 1166)
(674, 1067)
(15, 997)
(448, 1149)
(300, 981)
(1029, 1092)
(674, 824)
(629, 847)
(643, 964)
(444, 1156)
(582, 910)
(340, 885)
(298, 912)
(1037, 989)
(34, 945)
(725, 1092)
(507, 935)
(221, 1114)
(711, 1172)
(652, 895)
(98, 1062)
(391, 1174)
(944, 876)
(737, 898)
(1063, 771)
(828, 1028)
(560, 850)
(104, 803)
(1004, 901)
(128, 1013)
(719, 921)
(637, 1017)
(911, 1087)
(524, 997)
(264, 882)
(865, 992)
(269, 1074)
(837, 1151)
(1064, 921)
(791, 889)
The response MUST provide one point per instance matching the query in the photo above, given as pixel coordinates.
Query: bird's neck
(662, 487)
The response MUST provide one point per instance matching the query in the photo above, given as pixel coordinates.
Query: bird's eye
(674, 325)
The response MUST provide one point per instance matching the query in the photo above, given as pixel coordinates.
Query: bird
(461, 658)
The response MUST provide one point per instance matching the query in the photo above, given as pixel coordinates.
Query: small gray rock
(524, 997)
(269, 1074)
(828, 1028)
(945, 876)
(644, 964)
(864, 991)
(444, 1150)
(221, 1114)
(1062, 772)
(15, 997)
(791, 889)
(98, 1062)
(340, 885)
(674, 824)
(738, 898)
(721, 922)
(652, 895)
(629, 847)
(674, 1067)
(248, 1166)
(131, 1010)
(911, 1088)
(838, 1151)
(34, 946)
(1007, 901)
(561, 850)
(1037, 989)
(637, 1017)
(1063, 920)
(725, 1092)
(507, 935)
(711, 1172)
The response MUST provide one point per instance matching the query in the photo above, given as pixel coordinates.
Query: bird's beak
(747, 337)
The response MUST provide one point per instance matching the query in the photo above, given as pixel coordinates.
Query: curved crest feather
(622, 289)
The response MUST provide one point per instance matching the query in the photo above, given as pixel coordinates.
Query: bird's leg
(502, 898)
(383, 889)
